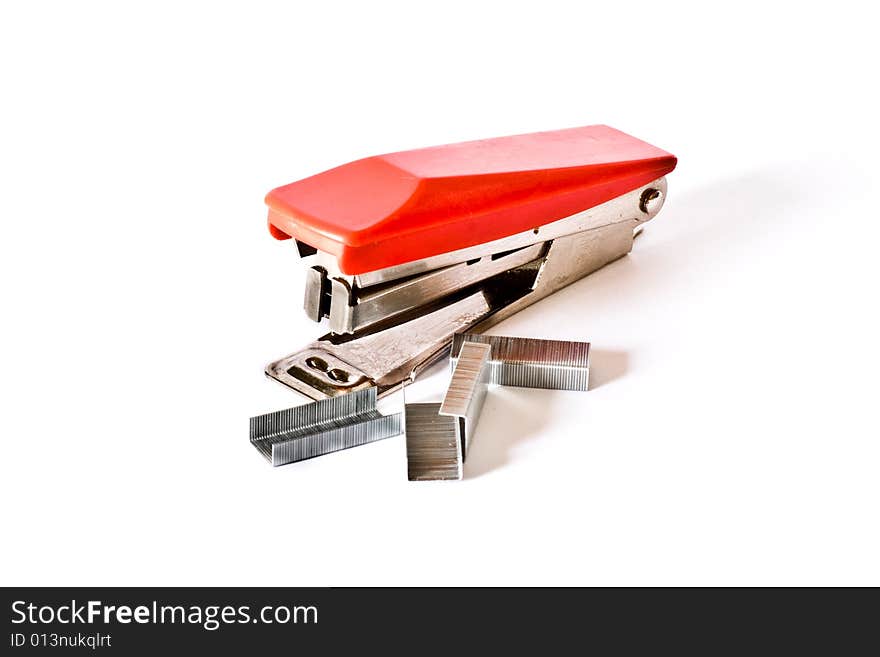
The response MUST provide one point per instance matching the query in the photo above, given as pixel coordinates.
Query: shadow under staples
(513, 417)
(606, 365)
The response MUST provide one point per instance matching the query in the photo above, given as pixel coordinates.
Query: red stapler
(405, 250)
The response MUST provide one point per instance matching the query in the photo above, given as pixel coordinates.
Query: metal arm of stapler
(406, 250)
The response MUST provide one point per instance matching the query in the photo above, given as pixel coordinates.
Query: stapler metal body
(405, 250)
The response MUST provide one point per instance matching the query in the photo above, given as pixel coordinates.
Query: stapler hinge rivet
(651, 200)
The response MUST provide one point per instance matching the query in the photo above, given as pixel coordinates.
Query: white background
(731, 434)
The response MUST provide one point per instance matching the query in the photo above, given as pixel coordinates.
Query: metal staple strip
(438, 435)
(306, 447)
(433, 448)
(321, 427)
(531, 362)
(467, 388)
(467, 391)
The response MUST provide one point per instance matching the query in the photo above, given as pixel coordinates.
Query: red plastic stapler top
(392, 209)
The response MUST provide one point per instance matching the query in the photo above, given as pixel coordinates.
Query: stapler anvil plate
(405, 250)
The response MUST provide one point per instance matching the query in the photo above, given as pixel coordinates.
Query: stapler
(403, 251)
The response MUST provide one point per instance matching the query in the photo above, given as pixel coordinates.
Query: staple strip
(318, 444)
(535, 375)
(329, 425)
(433, 449)
(531, 362)
(466, 390)
(324, 414)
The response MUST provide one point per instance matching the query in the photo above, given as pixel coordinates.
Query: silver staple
(433, 447)
(438, 435)
(531, 362)
(321, 427)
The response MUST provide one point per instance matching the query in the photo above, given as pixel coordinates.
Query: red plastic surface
(391, 209)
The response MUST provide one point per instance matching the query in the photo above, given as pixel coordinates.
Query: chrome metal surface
(386, 359)
(569, 250)
(354, 310)
(433, 447)
(530, 362)
(321, 427)
(568, 260)
(316, 299)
